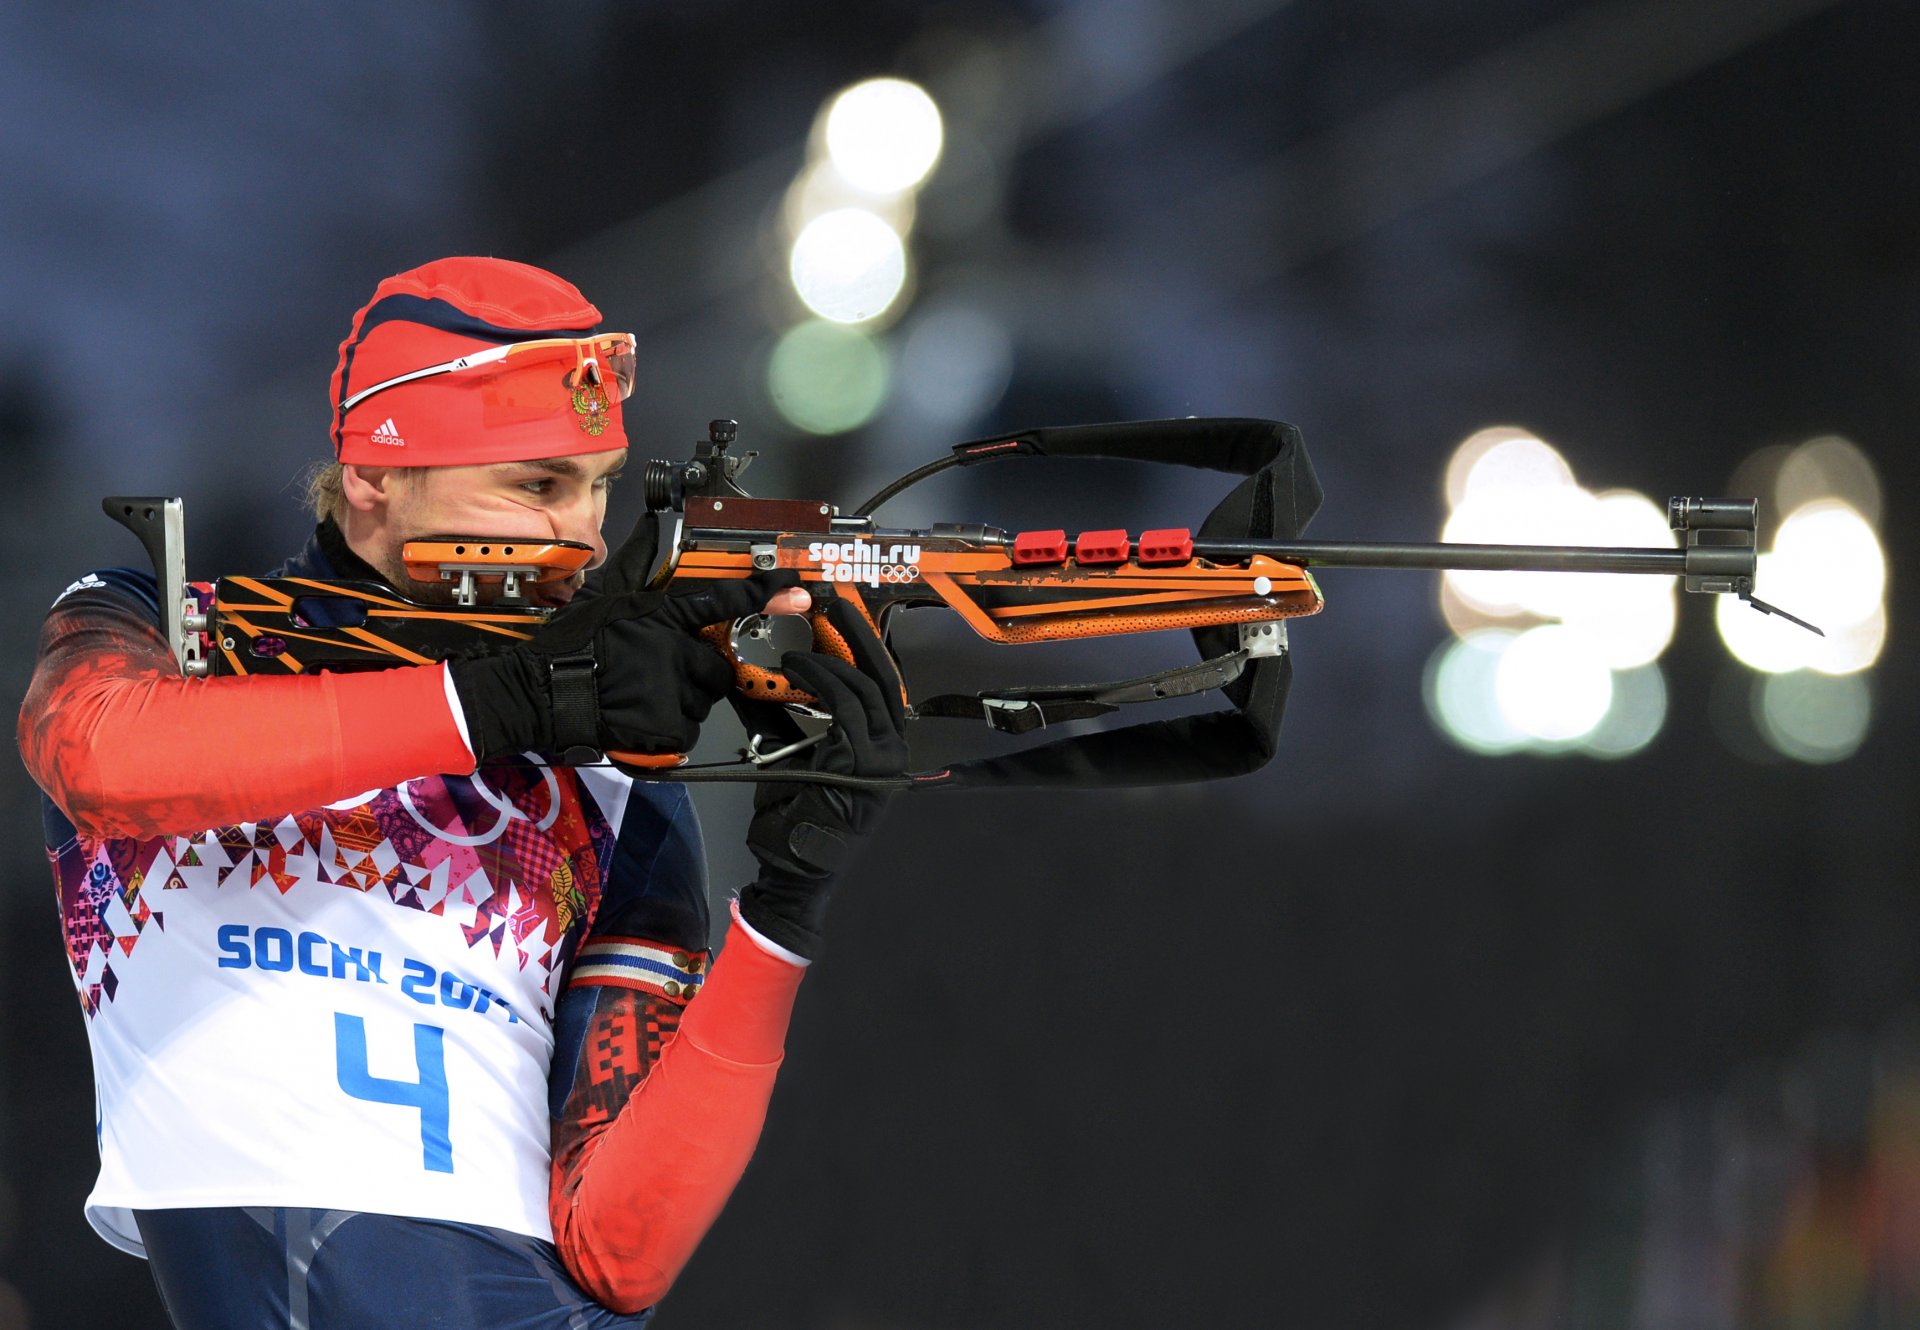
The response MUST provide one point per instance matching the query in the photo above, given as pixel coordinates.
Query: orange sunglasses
(588, 360)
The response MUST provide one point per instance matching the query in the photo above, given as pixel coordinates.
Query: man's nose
(581, 521)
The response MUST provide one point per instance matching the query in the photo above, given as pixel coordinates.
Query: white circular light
(1550, 515)
(848, 265)
(1634, 717)
(1629, 620)
(1813, 717)
(884, 135)
(821, 189)
(827, 378)
(1516, 466)
(1826, 566)
(1459, 691)
(1463, 617)
(1851, 649)
(1766, 642)
(1551, 684)
(1829, 467)
(1474, 447)
(1630, 617)
(1830, 540)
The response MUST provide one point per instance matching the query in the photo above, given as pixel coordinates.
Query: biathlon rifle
(1233, 583)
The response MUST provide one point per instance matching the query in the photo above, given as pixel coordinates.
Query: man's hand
(617, 668)
(804, 834)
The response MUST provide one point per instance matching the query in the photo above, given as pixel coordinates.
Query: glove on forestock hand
(803, 834)
(615, 668)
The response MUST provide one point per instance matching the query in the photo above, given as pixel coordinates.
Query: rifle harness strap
(1023, 710)
(576, 708)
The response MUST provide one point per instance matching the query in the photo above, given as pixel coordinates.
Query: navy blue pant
(269, 1268)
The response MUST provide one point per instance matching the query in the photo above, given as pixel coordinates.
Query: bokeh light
(1551, 685)
(1520, 454)
(1542, 516)
(1832, 536)
(1771, 644)
(1496, 691)
(1766, 641)
(1813, 717)
(820, 189)
(827, 378)
(884, 135)
(1462, 615)
(1460, 696)
(1633, 718)
(848, 265)
(1829, 467)
(1629, 617)
(1758, 477)
(1827, 565)
(1573, 670)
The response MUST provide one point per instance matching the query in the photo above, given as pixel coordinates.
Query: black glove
(804, 834)
(616, 668)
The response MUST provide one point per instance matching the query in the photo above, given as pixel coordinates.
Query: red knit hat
(450, 308)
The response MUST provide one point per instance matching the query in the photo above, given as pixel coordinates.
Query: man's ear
(369, 488)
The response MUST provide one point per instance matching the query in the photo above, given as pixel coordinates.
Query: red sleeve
(665, 1110)
(126, 746)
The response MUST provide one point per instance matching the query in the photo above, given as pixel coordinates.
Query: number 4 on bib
(428, 1094)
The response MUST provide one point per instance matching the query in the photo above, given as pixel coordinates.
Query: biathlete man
(394, 1022)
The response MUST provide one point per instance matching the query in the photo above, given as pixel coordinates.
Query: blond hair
(323, 491)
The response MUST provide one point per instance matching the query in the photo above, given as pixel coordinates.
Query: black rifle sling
(1238, 445)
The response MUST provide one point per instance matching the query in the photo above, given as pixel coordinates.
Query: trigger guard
(753, 625)
(756, 629)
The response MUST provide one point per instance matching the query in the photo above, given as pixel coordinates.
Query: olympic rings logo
(873, 574)
(505, 809)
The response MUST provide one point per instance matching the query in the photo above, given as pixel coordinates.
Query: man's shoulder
(142, 589)
(122, 584)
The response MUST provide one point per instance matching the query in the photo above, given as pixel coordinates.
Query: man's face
(555, 498)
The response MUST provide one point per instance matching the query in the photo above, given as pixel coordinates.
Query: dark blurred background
(1424, 1024)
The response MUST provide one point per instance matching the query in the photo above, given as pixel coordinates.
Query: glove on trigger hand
(804, 834)
(615, 668)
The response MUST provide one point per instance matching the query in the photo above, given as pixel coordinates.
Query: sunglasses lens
(620, 362)
(541, 375)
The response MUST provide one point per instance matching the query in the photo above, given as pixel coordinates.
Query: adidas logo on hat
(389, 435)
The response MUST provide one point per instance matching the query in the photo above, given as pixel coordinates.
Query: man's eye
(606, 482)
(542, 488)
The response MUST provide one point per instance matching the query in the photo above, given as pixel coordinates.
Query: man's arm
(666, 1104)
(127, 746)
(664, 1107)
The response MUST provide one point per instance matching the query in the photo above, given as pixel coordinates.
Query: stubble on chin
(392, 567)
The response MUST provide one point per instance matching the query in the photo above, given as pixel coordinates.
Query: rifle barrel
(1733, 561)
